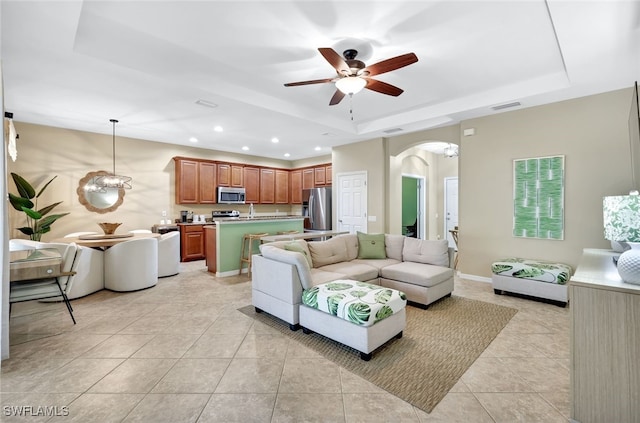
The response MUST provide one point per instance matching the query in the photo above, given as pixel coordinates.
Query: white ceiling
(76, 64)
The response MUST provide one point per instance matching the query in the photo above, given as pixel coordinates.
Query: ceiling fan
(354, 75)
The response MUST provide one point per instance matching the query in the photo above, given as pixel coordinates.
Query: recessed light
(245, 148)
(318, 148)
(193, 139)
(287, 154)
(217, 128)
(275, 140)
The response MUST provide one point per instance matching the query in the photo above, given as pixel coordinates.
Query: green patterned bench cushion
(357, 302)
(557, 273)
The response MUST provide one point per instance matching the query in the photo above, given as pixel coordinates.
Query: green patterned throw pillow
(371, 246)
(294, 246)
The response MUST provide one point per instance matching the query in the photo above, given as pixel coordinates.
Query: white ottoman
(357, 314)
(533, 278)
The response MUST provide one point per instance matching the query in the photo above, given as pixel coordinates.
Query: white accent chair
(50, 288)
(18, 244)
(140, 231)
(131, 265)
(169, 254)
(90, 272)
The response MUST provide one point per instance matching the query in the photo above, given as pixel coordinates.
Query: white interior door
(450, 207)
(352, 202)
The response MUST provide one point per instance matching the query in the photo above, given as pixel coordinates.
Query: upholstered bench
(539, 279)
(360, 315)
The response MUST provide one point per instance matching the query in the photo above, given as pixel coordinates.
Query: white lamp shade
(350, 84)
(621, 215)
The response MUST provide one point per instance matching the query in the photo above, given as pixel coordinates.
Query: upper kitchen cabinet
(282, 186)
(295, 183)
(320, 176)
(329, 174)
(251, 184)
(308, 178)
(230, 175)
(195, 181)
(267, 186)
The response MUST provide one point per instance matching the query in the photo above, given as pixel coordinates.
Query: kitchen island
(223, 238)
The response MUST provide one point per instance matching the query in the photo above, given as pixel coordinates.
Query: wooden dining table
(104, 241)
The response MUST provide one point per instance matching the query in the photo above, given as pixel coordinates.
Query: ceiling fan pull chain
(351, 105)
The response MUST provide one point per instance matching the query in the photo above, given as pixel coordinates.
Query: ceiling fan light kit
(351, 84)
(354, 75)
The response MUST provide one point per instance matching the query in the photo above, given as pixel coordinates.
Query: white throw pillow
(426, 251)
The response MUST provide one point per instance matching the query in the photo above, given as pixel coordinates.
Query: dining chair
(131, 265)
(169, 254)
(39, 289)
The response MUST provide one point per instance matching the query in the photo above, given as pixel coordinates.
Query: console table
(605, 342)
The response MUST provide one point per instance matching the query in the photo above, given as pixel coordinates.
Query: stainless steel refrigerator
(316, 206)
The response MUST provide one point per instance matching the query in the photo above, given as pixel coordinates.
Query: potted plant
(38, 222)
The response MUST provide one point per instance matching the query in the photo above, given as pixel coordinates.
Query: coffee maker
(184, 214)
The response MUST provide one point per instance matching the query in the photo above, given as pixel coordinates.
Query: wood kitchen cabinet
(308, 178)
(295, 184)
(210, 246)
(282, 186)
(251, 184)
(267, 186)
(207, 183)
(230, 175)
(192, 246)
(329, 173)
(186, 181)
(320, 174)
(195, 181)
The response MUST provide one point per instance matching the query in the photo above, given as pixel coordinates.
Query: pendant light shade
(113, 180)
(350, 84)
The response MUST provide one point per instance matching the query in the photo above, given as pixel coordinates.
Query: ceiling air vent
(206, 103)
(506, 105)
(392, 131)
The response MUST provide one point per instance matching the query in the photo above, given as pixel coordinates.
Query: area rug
(438, 346)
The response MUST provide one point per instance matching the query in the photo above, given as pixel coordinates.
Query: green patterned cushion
(371, 246)
(360, 303)
(542, 271)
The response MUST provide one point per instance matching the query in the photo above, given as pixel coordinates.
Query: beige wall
(591, 133)
(47, 151)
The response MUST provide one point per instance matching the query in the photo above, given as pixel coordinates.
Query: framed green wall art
(538, 198)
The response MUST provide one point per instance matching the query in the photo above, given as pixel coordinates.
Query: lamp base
(629, 266)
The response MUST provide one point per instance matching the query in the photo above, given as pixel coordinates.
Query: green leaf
(337, 286)
(333, 301)
(383, 313)
(47, 221)
(32, 213)
(43, 211)
(310, 297)
(359, 313)
(45, 186)
(383, 296)
(562, 278)
(26, 230)
(24, 188)
(358, 294)
(19, 202)
(499, 268)
(528, 273)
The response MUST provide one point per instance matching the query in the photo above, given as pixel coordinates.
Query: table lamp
(622, 223)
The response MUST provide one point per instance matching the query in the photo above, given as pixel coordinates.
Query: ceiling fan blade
(313, 81)
(383, 87)
(389, 64)
(337, 98)
(335, 60)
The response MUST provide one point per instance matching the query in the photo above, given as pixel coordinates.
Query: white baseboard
(474, 277)
(230, 273)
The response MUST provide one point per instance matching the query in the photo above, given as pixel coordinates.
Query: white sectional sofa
(419, 268)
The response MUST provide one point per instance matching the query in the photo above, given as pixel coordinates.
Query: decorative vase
(109, 228)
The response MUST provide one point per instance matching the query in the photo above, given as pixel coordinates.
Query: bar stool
(244, 257)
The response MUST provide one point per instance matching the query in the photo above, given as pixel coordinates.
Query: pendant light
(113, 180)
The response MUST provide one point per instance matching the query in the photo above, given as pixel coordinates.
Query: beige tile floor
(181, 352)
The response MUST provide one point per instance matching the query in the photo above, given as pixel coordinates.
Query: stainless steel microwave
(230, 195)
